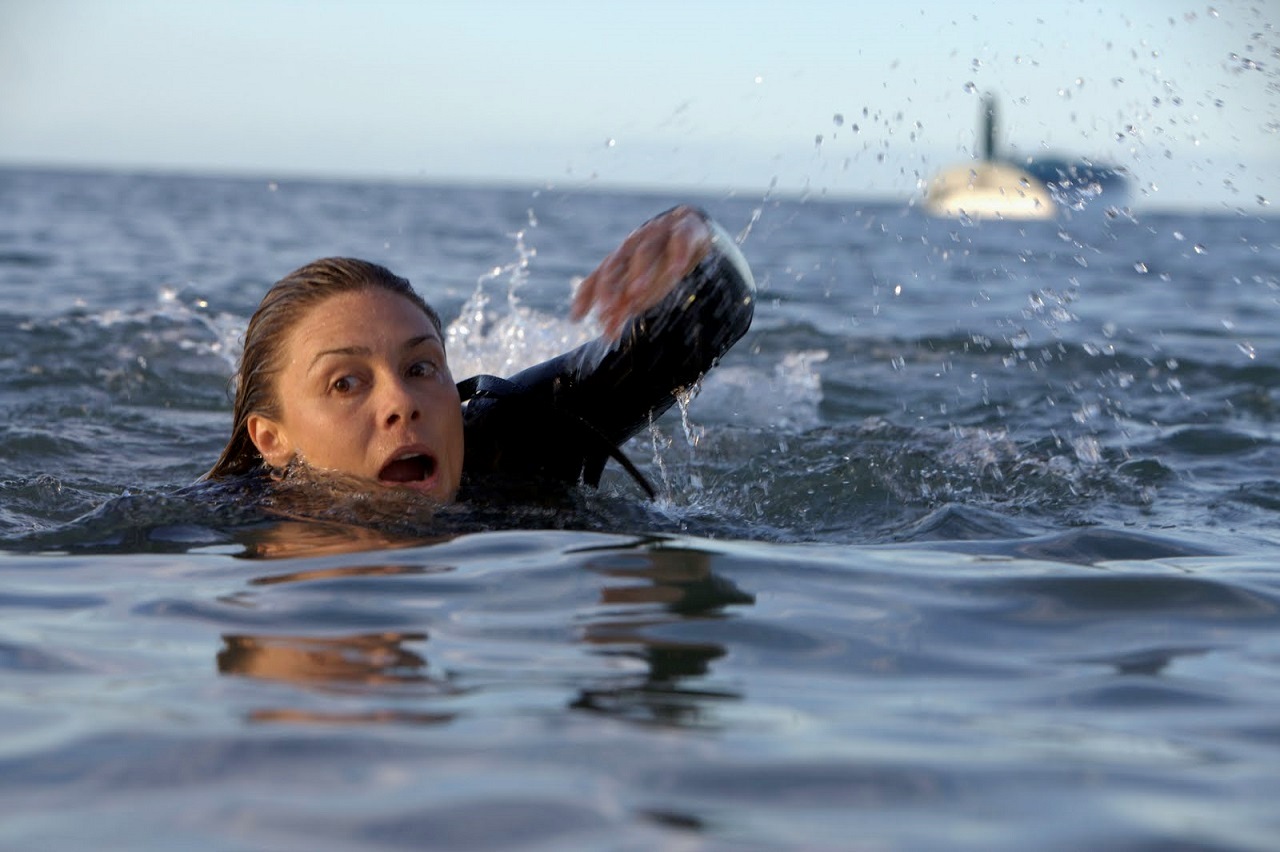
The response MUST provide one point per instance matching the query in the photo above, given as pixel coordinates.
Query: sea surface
(970, 543)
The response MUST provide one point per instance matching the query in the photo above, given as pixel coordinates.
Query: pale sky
(844, 98)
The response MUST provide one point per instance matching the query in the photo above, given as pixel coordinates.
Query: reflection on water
(404, 698)
(679, 581)
(296, 539)
(311, 574)
(348, 663)
(357, 660)
(1150, 662)
(290, 539)
(649, 587)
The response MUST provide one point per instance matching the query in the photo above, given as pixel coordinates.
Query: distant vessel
(1000, 188)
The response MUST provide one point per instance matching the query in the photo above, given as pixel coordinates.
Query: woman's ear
(270, 439)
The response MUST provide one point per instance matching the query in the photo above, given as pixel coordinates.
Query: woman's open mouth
(408, 468)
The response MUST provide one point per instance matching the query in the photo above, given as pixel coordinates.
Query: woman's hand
(644, 269)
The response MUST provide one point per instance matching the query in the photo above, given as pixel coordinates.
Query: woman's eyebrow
(415, 342)
(364, 351)
(341, 350)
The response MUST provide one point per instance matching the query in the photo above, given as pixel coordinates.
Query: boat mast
(988, 127)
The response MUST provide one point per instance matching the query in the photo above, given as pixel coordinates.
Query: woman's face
(365, 389)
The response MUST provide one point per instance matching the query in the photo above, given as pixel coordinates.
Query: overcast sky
(830, 97)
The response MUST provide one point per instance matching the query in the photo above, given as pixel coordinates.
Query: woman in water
(344, 370)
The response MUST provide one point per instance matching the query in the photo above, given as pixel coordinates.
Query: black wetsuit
(562, 420)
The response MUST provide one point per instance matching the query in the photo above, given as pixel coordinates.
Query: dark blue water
(970, 543)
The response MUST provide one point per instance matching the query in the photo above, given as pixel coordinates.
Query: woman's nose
(400, 404)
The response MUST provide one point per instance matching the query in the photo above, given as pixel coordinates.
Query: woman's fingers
(643, 270)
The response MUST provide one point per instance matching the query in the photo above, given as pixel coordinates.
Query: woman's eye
(345, 384)
(421, 369)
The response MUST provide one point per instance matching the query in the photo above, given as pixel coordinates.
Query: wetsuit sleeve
(570, 410)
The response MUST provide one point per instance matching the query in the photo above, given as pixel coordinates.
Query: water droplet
(610, 143)
(838, 119)
(1087, 449)
(817, 141)
(1200, 249)
(1140, 268)
(1177, 235)
(1263, 202)
(1086, 412)
(1247, 348)
(970, 88)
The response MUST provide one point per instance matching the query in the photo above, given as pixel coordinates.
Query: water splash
(486, 339)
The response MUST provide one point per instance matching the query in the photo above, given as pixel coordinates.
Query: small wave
(1213, 441)
(171, 354)
(788, 397)
(26, 259)
(876, 481)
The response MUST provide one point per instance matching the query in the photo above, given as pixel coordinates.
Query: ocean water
(971, 543)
